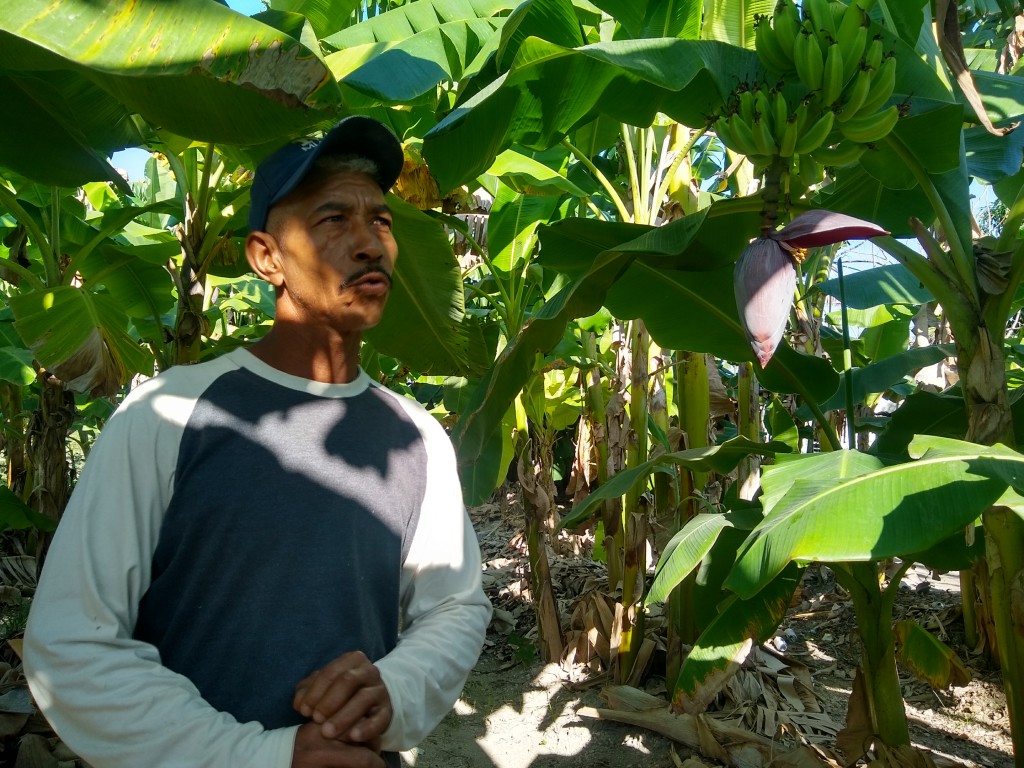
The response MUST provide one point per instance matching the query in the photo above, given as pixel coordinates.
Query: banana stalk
(629, 621)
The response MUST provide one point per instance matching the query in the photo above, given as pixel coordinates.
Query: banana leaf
(856, 516)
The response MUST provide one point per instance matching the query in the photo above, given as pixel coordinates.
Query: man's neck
(332, 360)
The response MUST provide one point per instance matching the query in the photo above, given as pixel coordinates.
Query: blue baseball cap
(358, 136)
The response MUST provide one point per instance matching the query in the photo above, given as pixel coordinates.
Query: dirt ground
(516, 712)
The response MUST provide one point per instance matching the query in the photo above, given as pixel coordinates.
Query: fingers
(347, 697)
(312, 750)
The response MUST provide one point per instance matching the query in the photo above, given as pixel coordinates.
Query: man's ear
(263, 255)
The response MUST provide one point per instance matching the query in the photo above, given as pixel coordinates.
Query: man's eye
(383, 221)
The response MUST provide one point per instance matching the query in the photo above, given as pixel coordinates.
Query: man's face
(336, 252)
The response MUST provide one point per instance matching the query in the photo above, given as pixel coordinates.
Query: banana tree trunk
(1004, 553)
(873, 609)
(999, 580)
(49, 472)
(982, 364)
(538, 499)
(12, 440)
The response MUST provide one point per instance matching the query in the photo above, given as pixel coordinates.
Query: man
(266, 561)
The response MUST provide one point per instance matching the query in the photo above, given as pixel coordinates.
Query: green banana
(781, 110)
(820, 14)
(832, 80)
(872, 127)
(855, 96)
(853, 52)
(852, 36)
(724, 133)
(763, 110)
(787, 27)
(842, 154)
(809, 65)
(883, 83)
(811, 172)
(873, 53)
(815, 136)
(746, 106)
(768, 48)
(744, 136)
(788, 135)
(802, 114)
(763, 138)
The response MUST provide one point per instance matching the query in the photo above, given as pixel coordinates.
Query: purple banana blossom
(765, 276)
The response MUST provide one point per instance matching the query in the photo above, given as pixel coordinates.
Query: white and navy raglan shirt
(234, 529)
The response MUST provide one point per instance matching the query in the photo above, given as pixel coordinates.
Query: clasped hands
(350, 709)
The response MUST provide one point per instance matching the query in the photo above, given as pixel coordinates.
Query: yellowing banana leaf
(67, 323)
(723, 646)
(930, 659)
(888, 512)
(192, 67)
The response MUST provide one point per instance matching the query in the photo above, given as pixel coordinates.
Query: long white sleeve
(106, 694)
(445, 610)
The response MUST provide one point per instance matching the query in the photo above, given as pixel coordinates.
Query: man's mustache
(373, 269)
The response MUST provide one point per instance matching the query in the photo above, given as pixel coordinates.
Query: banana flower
(765, 276)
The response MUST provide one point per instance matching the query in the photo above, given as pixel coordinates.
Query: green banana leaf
(629, 14)
(880, 376)
(732, 21)
(727, 641)
(552, 90)
(581, 297)
(993, 158)
(696, 311)
(403, 71)
(673, 18)
(530, 176)
(684, 553)
(887, 512)
(15, 513)
(718, 458)
(552, 20)
(423, 321)
(513, 224)
(412, 18)
(891, 284)
(922, 413)
(326, 17)
(16, 366)
(192, 67)
(65, 127)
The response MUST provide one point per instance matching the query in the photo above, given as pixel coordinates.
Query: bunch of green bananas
(848, 79)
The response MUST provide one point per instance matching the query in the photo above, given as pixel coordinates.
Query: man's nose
(367, 245)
